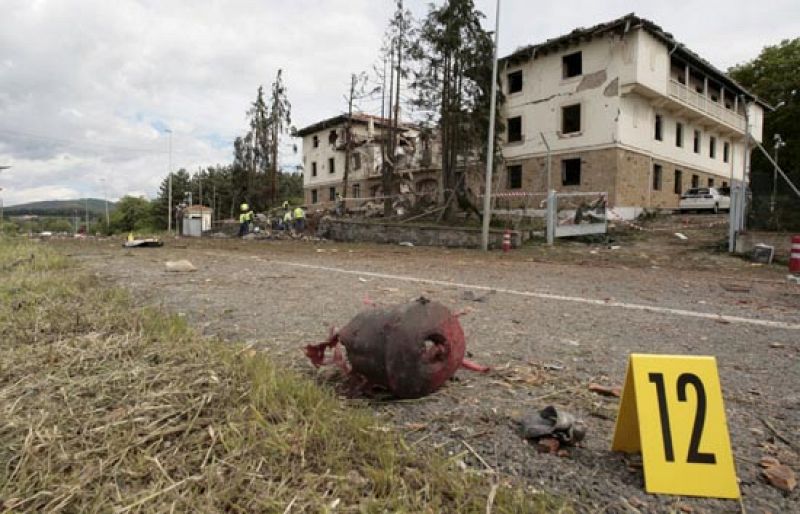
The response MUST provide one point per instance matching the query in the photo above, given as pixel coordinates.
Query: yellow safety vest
(299, 214)
(245, 216)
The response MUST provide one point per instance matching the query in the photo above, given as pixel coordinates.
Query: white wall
(545, 92)
(637, 132)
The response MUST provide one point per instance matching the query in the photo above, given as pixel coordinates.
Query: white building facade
(627, 110)
(324, 155)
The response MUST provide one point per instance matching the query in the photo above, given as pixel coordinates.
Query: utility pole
(348, 138)
(86, 212)
(779, 143)
(169, 184)
(487, 196)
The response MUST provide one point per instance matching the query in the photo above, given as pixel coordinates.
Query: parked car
(705, 199)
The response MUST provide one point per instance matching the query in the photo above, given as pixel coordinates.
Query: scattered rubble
(180, 266)
(562, 426)
(409, 349)
(778, 475)
(680, 236)
(143, 243)
(605, 390)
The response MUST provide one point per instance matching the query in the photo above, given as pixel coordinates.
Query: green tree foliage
(454, 77)
(774, 77)
(133, 214)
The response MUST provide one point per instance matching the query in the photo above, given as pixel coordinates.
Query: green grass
(106, 406)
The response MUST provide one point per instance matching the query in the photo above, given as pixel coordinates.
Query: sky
(89, 88)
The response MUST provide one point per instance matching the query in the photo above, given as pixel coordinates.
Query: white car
(705, 198)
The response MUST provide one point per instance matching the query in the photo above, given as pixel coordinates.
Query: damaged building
(626, 109)
(418, 161)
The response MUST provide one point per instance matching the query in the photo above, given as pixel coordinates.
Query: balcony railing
(706, 105)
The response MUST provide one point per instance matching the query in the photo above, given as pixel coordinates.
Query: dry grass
(105, 407)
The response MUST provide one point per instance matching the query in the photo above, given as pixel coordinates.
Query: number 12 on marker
(672, 411)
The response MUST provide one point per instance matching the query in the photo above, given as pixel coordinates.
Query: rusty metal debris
(553, 423)
(411, 349)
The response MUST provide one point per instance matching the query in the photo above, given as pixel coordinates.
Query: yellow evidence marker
(671, 410)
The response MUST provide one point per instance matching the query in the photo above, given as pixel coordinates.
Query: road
(548, 326)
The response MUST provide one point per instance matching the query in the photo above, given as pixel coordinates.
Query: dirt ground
(550, 321)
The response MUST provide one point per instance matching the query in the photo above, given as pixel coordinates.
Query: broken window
(332, 194)
(315, 141)
(678, 182)
(331, 165)
(712, 147)
(515, 82)
(572, 65)
(313, 169)
(710, 182)
(726, 152)
(697, 141)
(515, 177)
(658, 133)
(356, 161)
(515, 129)
(679, 134)
(571, 119)
(571, 172)
(332, 137)
(313, 196)
(657, 171)
(356, 190)
(695, 181)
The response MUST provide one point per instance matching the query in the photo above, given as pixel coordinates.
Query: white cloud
(87, 85)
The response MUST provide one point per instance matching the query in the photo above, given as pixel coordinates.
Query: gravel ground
(543, 350)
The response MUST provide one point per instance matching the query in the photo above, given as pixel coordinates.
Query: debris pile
(411, 349)
(552, 428)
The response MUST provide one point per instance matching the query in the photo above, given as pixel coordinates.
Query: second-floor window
(356, 161)
(658, 128)
(515, 82)
(572, 65)
(515, 177)
(514, 129)
(696, 143)
(331, 165)
(315, 141)
(356, 190)
(313, 169)
(712, 147)
(571, 119)
(679, 134)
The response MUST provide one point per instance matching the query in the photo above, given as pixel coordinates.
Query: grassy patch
(109, 407)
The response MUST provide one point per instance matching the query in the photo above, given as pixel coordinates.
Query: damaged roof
(341, 119)
(623, 25)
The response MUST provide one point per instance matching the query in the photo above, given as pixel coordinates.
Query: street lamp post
(779, 143)
(169, 184)
(487, 194)
(1, 199)
(105, 200)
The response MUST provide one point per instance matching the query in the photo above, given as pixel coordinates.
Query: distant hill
(96, 208)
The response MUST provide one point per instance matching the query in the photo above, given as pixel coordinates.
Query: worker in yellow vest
(287, 217)
(299, 219)
(245, 219)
